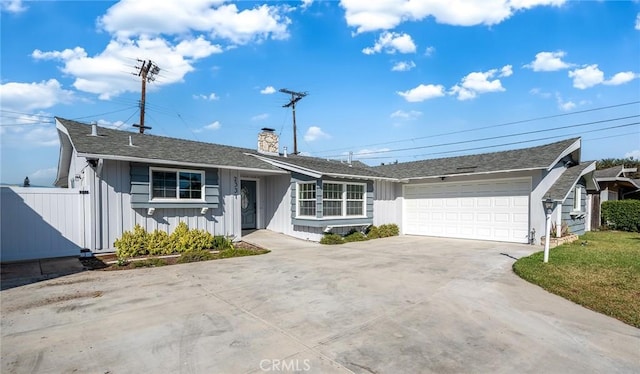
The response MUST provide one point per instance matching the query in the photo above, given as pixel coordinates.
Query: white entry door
(495, 209)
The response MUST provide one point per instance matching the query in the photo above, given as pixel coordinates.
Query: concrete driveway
(396, 305)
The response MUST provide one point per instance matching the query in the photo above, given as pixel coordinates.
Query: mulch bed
(104, 261)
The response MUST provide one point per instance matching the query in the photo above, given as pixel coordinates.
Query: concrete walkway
(395, 305)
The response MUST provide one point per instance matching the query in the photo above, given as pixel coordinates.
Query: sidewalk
(14, 274)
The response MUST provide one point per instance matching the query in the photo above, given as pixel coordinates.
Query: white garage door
(488, 210)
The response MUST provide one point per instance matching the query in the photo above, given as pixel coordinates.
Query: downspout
(99, 203)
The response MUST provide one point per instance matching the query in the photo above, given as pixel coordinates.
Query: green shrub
(355, 237)
(132, 244)
(196, 240)
(195, 256)
(331, 239)
(237, 252)
(622, 215)
(222, 243)
(149, 263)
(179, 237)
(383, 231)
(159, 243)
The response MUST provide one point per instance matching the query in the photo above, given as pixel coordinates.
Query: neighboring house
(613, 183)
(123, 179)
(491, 196)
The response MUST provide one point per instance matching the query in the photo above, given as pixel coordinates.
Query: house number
(235, 184)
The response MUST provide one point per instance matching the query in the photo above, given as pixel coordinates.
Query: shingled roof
(611, 172)
(563, 185)
(325, 167)
(114, 144)
(540, 157)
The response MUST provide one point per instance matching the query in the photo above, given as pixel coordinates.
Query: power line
(511, 143)
(491, 126)
(497, 137)
(295, 97)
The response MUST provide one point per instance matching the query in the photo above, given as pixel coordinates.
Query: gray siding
(575, 222)
(139, 174)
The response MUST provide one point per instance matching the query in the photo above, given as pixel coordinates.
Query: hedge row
(139, 242)
(622, 215)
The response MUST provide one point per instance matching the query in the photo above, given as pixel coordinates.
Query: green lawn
(602, 275)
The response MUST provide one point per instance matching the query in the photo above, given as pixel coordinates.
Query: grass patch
(149, 263)
(603, 275)
(195, 255)
(241, 252)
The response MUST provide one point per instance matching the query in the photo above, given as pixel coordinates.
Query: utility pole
(295, 97)
(148, 71)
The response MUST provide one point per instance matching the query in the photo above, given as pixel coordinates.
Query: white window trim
(177, 198)
(577, 199)
(315, 200)
(344, 200)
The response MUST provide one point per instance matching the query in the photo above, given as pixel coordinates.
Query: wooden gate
(595, 212)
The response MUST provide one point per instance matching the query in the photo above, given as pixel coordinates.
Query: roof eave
(575, 146)
(589, 169)
(179, 163)
(405, 180)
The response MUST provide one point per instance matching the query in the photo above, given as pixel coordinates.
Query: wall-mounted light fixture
(204, 210)
(150, 211)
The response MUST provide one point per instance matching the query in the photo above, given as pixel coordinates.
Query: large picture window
(176, 184)
(332, 199)
(307, 199)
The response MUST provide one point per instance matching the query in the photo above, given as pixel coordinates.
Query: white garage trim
(490, 209)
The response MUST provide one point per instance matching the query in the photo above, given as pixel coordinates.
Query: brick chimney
(268, 142)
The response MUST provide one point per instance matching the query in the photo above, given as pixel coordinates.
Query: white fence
(41, 222)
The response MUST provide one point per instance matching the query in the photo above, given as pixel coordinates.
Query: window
(307, 199)
(332, 199)
(176, 184)
(577, 199)
(355, 200)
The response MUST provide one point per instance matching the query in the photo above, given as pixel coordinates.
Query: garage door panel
(491, 210)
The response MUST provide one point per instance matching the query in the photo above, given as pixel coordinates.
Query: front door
(248, 204)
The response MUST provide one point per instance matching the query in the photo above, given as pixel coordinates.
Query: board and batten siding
(576, 223)
(387, 203)
(120, 204)
(42, 222)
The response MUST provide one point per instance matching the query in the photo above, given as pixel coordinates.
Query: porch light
(548, 205)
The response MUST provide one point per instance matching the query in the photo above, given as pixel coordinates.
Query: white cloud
(635, 154)
(422, 92)
(587, 76)
(403, 66)
(131, 18)
(549, 61)
(621, 78)
(120, 125)
(392, 42)
(315, 133)
(12, 6)
(30, 96)
(564, 105)
(430, 51)
(368, 153)
(506, 71)
(268, 90)
(260, 117)
(43, 177)
(103, 74)
(410, 115)
(538, 92)
(367, 15)
(42, 136)
(306, 3)
(211, 97)
(213, 126)
(637, 27)
(478, 83)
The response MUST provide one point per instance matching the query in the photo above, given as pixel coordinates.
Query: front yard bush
(383, 231)
(140, 243)
(622, 215)
(132, 243)
(355, 236)
(331, 239)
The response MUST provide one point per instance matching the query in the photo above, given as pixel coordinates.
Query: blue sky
(387, 80)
